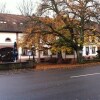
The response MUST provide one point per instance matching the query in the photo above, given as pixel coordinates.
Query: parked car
(6, 54)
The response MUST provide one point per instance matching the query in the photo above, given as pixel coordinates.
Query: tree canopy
(71, 20)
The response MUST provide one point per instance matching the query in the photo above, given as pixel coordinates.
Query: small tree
(59, 46)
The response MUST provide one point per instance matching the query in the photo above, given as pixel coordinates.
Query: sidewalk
(64, 66)
(49, 67)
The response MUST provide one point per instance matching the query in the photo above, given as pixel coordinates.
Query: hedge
(17, 65)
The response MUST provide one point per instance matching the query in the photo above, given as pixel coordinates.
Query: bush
(63, 61)
(17, 65)
(98, 55)
(67, 60)
(53, 60)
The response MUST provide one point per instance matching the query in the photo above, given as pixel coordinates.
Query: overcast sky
(11, 5)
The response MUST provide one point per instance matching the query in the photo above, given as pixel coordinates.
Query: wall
(90, 50)
(5, 35)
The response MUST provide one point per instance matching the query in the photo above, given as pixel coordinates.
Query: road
(58, 84)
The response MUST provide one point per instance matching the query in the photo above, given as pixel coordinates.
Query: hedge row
(17, 65)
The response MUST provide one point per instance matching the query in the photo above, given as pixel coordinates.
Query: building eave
(4, 31)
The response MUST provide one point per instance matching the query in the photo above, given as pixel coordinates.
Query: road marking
(84, 75)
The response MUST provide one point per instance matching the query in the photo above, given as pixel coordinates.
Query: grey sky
(11, 5)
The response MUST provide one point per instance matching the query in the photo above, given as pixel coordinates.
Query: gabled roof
(11, 23)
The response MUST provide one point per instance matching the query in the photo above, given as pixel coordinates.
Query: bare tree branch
(26, 7)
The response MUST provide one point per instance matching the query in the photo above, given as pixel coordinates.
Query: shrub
(98, 55)
(53, 60)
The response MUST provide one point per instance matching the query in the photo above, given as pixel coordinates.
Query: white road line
(84, 75)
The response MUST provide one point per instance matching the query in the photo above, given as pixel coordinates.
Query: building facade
(11, 30)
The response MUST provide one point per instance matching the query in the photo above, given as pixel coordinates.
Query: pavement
(44, 66)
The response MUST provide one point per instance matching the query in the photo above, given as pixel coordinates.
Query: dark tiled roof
(12, 23)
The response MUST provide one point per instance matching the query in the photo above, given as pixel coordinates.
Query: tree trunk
(79, 56)
(38, 59)
(33, 56)
(60, 59)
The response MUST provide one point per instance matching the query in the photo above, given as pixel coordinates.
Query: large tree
(74, 16)
(71, 21)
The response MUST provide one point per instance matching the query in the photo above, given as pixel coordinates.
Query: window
(87, 50)
(45, 52)
(26, 52)
(93, 50)
(7, 40)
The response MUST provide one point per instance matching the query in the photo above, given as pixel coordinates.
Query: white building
(11, 30)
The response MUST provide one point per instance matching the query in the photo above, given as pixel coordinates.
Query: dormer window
(7, 40)
(21, 23)
(14, 23)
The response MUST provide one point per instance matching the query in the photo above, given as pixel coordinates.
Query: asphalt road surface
(58, 84)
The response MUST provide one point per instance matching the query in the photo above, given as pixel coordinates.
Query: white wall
(13, 37)
(3, 36)
(90, 50)
(20, 35)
